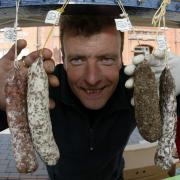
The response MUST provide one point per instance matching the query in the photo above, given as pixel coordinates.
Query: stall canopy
(33, 12)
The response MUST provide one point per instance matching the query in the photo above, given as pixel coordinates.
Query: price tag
(123, 25)
(53, 17)
(161, 42)
(10, 34)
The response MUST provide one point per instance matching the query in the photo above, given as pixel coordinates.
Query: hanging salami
(16, 110)
(38, 113)
(146, 100)
(164, 151)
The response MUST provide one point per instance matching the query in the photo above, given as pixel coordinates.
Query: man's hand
(157, 63)
(7, 63)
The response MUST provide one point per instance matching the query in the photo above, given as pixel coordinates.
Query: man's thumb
(21, 44)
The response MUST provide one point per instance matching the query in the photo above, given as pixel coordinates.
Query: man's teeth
(94, 91)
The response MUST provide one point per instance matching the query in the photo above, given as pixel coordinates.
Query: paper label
(53, 17)
(161, 42)
(10, 34)
(123, 25)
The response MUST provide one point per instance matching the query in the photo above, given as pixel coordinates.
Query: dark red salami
(16, 109)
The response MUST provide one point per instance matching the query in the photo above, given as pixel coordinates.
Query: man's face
(92, 64)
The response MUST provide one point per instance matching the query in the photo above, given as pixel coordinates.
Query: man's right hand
(7, 63)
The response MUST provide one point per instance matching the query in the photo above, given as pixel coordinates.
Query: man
(93, 118)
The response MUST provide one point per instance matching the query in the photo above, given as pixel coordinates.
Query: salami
(164, 151)
(38, 113)
(146, 100)
(16, 110)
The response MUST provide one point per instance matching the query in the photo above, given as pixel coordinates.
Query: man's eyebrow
(103, 55)
(111, 55)
(75, 56)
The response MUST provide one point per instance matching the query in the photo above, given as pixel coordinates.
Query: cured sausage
(38, 114)
(164, 151)
(146, 100)
(16, 110)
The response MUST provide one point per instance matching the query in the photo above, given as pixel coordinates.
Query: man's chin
(93, 106)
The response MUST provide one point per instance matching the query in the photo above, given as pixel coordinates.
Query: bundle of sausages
(156, 114)
(27, 100)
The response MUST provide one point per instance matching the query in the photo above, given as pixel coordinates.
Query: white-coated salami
(164, 151)
(16, 110)
(38, 113)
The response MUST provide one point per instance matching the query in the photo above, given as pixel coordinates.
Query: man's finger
(52, 104)
(159, 53)
(138, 59)
(53, 80)
(46, 54)
(129, 69)
(21, 44)
(129, 84)
(49, 66)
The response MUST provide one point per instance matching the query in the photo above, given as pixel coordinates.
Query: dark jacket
(91, 142)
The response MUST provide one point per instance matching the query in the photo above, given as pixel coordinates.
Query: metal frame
(150, 4)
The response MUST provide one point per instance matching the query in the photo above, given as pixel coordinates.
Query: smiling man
(93, 118)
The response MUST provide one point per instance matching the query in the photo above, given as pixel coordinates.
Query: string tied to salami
(160, 14)
(16, 64)
(53, 17)
(123, 24)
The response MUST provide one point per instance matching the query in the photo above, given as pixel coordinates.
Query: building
(141, 40)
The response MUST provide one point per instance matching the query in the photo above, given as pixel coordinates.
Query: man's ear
(64, 63)
(62, 54)
(63, 59)
(120, 63)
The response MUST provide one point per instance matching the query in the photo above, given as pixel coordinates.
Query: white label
(123, 25)
(53, 17)
(161, 42)
(10, 34)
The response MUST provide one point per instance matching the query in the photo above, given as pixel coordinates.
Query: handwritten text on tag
(10, 34)
(123, 25)
(162, 42)
(52, 17)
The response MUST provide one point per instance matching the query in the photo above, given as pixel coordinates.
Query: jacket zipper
(91, 139)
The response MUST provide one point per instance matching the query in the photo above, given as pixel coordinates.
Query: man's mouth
(93, 91)
(96, 91)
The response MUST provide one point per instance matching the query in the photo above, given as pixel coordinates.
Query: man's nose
(92, 74)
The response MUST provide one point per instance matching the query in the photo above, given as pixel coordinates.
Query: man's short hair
(86, 25)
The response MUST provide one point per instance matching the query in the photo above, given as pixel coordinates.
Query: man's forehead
(109, 30)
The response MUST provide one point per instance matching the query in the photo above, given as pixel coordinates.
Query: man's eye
(76, 62)
(107, 61)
